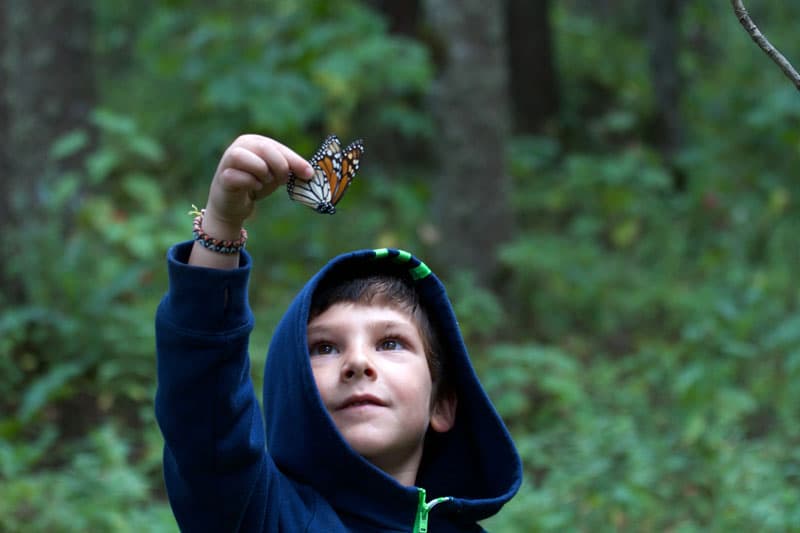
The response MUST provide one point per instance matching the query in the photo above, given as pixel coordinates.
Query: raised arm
(215, 465)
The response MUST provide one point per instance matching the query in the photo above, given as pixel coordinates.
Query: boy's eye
(321, 348)
(390, 344)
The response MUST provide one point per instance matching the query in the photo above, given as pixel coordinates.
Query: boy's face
(372, 374)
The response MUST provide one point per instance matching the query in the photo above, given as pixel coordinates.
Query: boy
(375, 419)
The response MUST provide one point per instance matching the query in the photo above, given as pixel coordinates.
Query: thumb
(297, 165)
(303, 170)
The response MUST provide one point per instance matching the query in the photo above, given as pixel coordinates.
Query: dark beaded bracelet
(216, 245)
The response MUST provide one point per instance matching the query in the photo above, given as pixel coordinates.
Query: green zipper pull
(421, 522)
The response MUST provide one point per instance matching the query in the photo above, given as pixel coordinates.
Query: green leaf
(42, 390)
(69, 144)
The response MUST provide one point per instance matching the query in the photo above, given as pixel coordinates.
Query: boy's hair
(396, 293)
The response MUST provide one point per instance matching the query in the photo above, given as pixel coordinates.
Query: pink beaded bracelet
(216, 245)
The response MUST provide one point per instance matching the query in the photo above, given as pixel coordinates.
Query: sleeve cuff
(204, 299)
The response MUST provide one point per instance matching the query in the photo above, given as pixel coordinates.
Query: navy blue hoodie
(226, 470)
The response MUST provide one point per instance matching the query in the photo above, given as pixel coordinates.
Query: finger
(241, 159)
(280, 159)
(297, 164)
(237, 180)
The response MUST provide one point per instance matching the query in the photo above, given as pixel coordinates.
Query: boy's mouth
(359, 400)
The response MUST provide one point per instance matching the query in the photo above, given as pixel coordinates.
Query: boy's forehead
(379, 311)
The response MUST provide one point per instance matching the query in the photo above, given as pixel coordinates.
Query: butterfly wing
(329, 159)
(348, 164)
(331, 145)
(314, 193)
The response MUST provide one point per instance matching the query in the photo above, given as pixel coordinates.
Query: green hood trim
(416, 268)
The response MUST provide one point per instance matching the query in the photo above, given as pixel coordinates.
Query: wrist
(220, 251)
(219, 227)
(222, 241)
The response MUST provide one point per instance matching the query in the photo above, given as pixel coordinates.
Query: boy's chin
(385, 453)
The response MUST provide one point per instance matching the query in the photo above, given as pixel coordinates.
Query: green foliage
(92, 277)
(80, 347)
(278, 68)
(664, 395)
(648, 443)
(97, 490)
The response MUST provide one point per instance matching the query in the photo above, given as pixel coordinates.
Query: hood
(475, 462)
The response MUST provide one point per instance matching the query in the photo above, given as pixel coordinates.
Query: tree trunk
(50, 87)
(47, 90)
(533, 80)
(5, 161)
(664, 40)
(602, 8)
(403, 17)
(470, 101)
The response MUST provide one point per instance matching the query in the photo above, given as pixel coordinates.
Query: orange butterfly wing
(328, 159)
(349, 163)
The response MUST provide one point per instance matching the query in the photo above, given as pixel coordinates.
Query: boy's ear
(443, 414)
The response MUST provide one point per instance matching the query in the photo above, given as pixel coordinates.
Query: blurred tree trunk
(664, 31)
(403, 16)
(603, 8)
(47, 90)
(533, 79)
(5, 169)
(470, 99)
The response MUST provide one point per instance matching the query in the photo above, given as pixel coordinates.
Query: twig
(764, 44)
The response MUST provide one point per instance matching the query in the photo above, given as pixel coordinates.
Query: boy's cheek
(320, 381)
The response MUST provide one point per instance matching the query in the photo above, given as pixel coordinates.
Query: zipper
(421, 522)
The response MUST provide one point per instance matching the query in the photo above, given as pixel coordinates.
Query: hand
(251, 169)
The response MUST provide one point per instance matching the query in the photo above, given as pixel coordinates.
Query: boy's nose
(358, 364)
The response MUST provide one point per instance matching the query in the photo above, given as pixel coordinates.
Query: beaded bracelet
(216, 245)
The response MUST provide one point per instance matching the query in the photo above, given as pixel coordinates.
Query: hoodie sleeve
(215, 463)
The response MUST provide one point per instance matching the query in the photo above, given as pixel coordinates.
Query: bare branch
(764, 44)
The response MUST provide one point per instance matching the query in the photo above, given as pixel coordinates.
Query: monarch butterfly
(334, 169)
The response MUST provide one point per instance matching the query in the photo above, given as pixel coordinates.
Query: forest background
(608, 188)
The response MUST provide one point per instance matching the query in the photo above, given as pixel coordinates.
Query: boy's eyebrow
(317, 328)
(389, 324)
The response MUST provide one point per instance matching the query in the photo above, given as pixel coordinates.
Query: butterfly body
(334, 169)
(326, 208)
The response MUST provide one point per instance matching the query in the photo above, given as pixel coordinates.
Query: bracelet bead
(226, 247)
